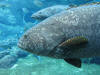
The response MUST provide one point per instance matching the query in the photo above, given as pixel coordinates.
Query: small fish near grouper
(69, 35)
(49, 11)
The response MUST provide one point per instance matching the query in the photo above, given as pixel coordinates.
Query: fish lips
(38, 17)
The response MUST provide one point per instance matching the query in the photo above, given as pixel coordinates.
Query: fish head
(40, 15)
(32, 42)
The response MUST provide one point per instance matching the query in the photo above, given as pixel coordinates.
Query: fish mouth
(23, 45)
(35, 17)
(20, 44)
(39, 17)
(26, 44)
(23, 42)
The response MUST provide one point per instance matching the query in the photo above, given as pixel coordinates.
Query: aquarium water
(15, 19)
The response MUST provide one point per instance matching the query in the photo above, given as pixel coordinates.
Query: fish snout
(38, 16)
(30, 43)
(23, 42)
(33, 16)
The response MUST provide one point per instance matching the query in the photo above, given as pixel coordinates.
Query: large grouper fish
(69, 35)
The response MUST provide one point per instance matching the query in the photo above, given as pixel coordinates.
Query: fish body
(49, 11)
(75, 25)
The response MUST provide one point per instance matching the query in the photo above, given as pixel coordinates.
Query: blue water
(15, 19)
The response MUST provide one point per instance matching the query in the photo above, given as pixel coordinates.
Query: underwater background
(15, 19)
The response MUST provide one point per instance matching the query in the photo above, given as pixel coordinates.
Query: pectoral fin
(75, 62)
(76, 41)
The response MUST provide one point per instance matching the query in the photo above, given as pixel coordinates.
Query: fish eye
(25, 36)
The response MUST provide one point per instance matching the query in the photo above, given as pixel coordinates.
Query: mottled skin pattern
(49, 11)
(44, 38)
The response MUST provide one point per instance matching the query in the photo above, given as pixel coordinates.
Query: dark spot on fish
(25, 36)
